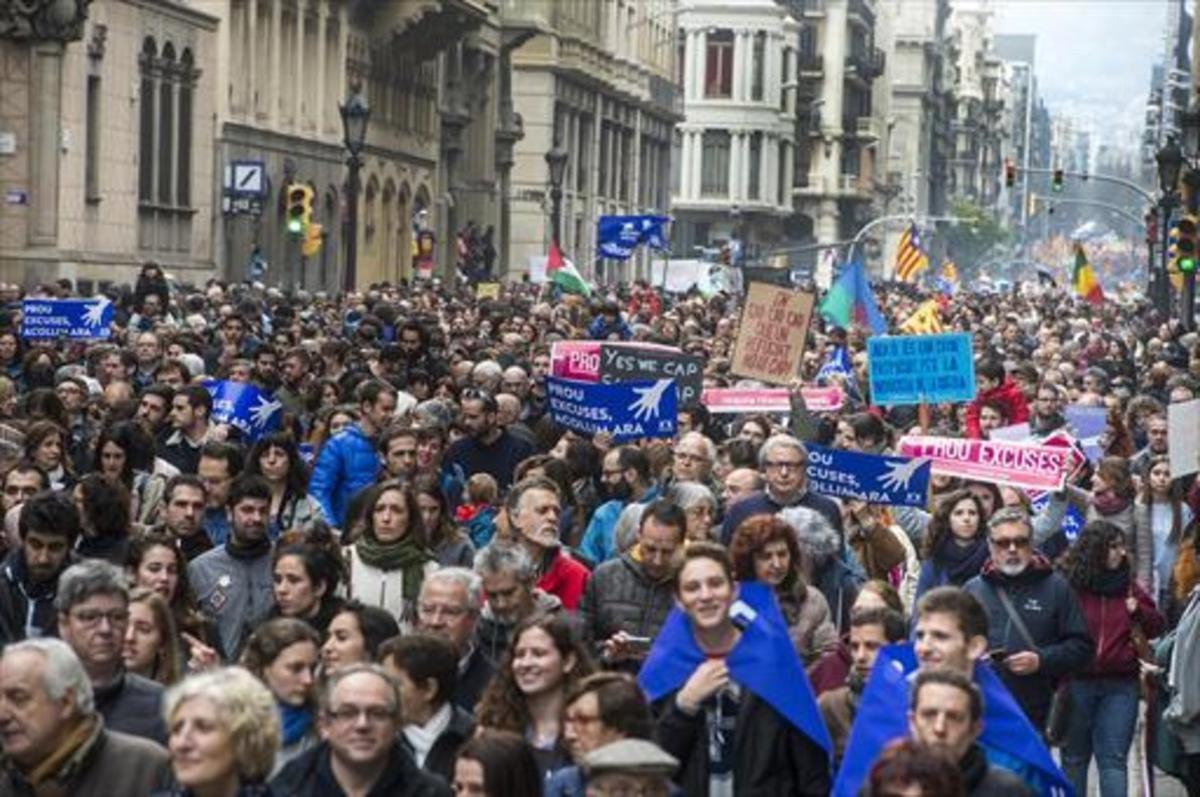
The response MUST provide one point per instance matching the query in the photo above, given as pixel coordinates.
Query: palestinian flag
(562, 272)
(1084, 278)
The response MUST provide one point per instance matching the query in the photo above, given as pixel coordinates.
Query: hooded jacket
(1048, 606)
(1007, 393)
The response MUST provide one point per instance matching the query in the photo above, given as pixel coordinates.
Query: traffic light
(1057, 183)
(313, 237)
(299, 208)
(1010, 174)
(1186, 260)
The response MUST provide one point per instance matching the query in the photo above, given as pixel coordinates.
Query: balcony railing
(867, 64)
(810, 62)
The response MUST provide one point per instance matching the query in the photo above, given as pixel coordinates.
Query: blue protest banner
(896, 481)
(626, 410)
(618, 236)
(1087, 425)
(911, 369)
(1072, 522)
(74, 319)
(243, 406)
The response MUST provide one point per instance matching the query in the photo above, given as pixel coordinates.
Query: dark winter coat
(621, 597)
(1111, 626)
(311, 775)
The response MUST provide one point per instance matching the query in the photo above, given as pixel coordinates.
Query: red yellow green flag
(1084, 278)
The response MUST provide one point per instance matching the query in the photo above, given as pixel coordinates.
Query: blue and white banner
(911, 369)
(243, 406)
(74, 319)
(895, 481)
(1087, 425)
(626, 410)
(1072, 522)
(618, 236)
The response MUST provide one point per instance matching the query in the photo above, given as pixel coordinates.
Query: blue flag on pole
(763, 661)
(74, 319)
(895, 481)
(1008, 739)
(626, 410)
(243, 406)
(618, 236)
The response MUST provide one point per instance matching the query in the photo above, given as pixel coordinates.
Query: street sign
(239, 205)
(249, 179)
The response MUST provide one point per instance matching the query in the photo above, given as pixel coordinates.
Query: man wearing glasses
(361, 752)
(1036, 631)
(1046, 417)
(783, 461)
(93, 614)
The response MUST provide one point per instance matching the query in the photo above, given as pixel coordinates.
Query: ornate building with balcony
(596, 78)
(840, 128)
(735, 151)
(981, 130)
(106, 149)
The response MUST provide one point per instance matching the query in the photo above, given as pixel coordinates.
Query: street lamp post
(556, 161)
(1170, 163)
(355, 114)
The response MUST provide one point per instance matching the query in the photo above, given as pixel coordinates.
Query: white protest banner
(1024, 465)
(1183, 435)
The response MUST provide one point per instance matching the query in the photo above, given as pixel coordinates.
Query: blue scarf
(763, 661)
(1008, 739)
(294, 721)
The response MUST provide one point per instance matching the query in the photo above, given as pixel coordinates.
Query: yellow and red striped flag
(911, 259)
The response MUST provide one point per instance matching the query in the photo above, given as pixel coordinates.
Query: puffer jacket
(620, 596)
(1007, 393)
(348, 462)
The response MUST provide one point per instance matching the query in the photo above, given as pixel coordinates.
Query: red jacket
(565, 579)
(1009, 394)
(1111, 628)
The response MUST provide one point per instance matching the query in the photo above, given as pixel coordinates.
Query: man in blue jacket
(348, 461)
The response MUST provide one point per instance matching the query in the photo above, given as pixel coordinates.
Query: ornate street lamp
(355, 114)
(556, 160)
(1170, 163)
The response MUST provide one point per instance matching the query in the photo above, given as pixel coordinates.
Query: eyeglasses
(94, 616)
(449, 612)
(376, 715)
(1012, 543)
(779, 466)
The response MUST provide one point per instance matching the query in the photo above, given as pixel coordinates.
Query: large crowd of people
(418, 583)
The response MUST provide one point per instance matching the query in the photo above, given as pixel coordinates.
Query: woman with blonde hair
(222, 734)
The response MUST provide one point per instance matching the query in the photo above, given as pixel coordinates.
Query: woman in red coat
(1104, 698)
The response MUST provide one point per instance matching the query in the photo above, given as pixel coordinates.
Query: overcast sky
(1092, 55)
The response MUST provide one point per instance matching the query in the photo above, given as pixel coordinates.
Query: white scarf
(423, 737)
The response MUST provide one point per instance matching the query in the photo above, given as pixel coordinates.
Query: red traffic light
(1010, 174)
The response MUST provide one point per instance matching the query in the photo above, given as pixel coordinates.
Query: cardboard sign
(617, 362)
(627, 411)
(1024, 465)
(915, 369)
(487, 290)
(772, 333)
(728, 400)
(1183, 436)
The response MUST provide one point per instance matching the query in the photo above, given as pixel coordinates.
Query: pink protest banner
(728, 400)
(576, 359)
(1025, 465)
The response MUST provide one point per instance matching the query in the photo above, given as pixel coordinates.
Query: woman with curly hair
(1113, 494)
(1104, 697)
(103, 505)
(307, 568)
(528, 692)
(764, 549)
(955, 543)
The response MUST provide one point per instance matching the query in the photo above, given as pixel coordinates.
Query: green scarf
(404, 555)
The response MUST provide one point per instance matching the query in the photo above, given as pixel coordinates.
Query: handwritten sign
(772, 333)
(912, 369)
(727, 400)
(1024, 465)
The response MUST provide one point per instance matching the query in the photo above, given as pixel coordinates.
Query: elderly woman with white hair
(224, 731)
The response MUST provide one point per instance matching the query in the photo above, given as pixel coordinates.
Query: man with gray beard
(1036, 631)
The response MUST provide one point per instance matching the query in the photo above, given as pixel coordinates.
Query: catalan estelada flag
(1084, 278)
(925, 320)
(911, 259)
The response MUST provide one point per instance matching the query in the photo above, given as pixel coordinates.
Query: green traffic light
(295, 225)
(1187, 265)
